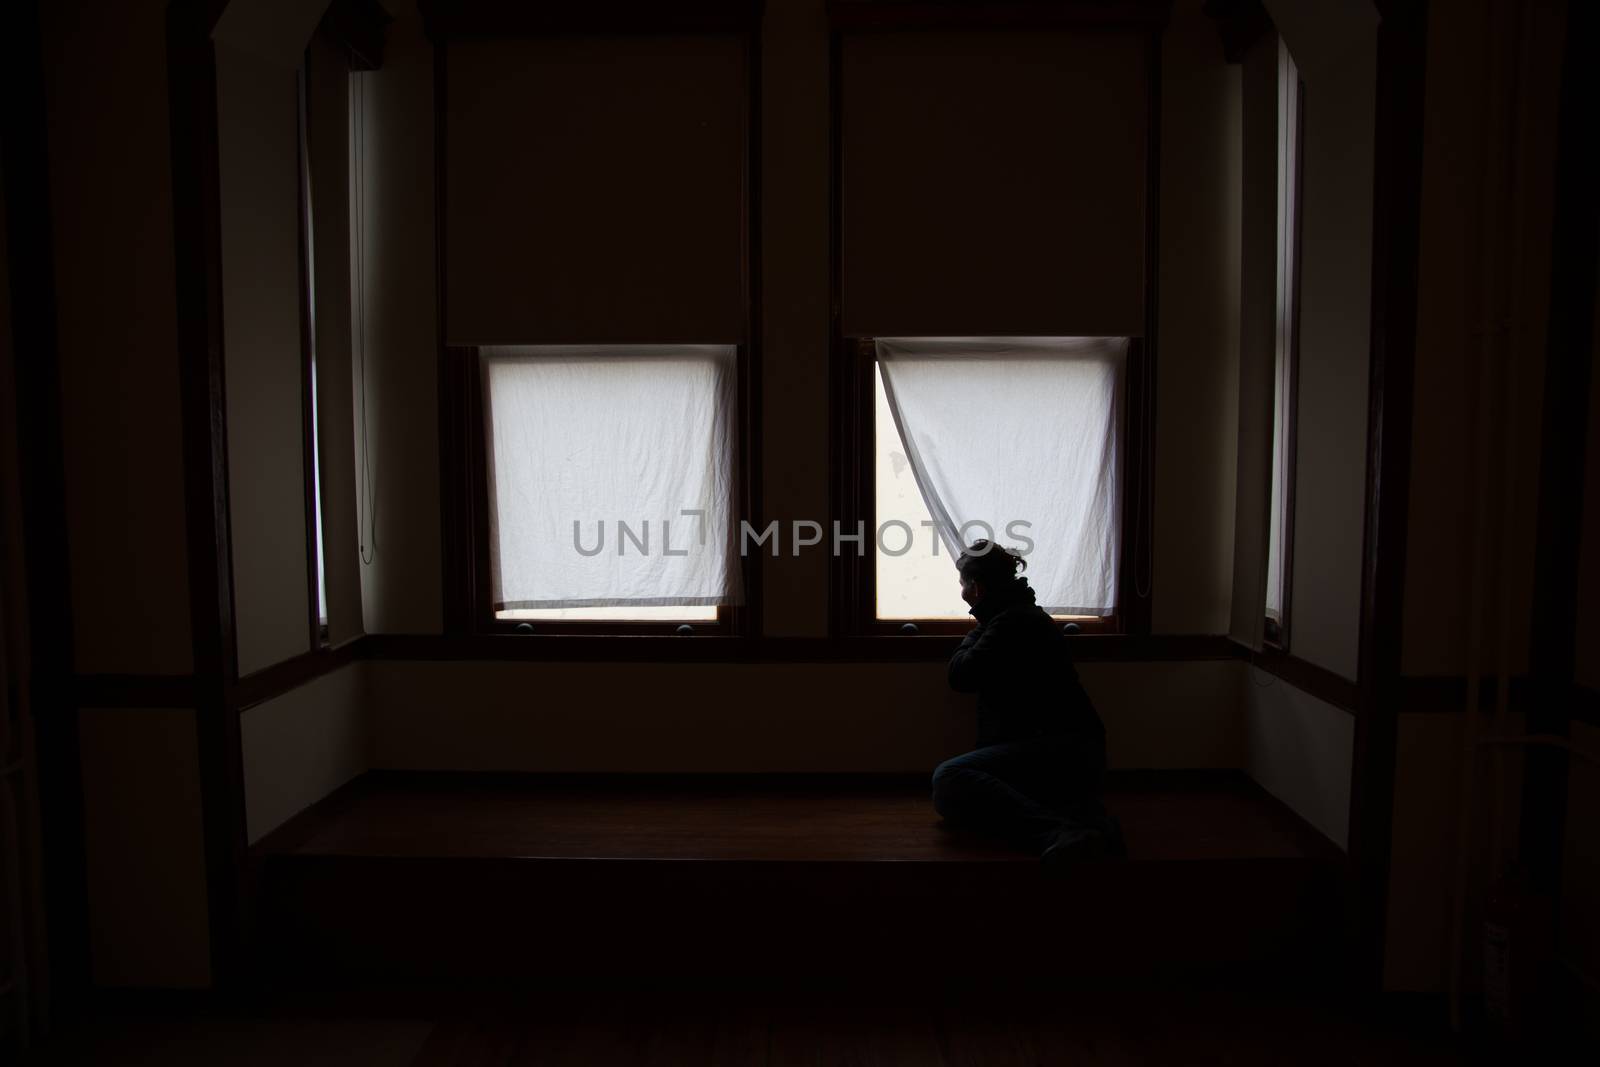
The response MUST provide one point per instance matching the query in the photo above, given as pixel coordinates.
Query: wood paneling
(1575, 265)
(197, 241)
(1397, 199)
(776, 880)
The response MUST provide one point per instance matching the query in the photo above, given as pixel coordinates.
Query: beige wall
(422, 722)
(275, 31)
(1335, 46)
(561, 233)
(145, 851)
(116, 321)
(257, 132)
(302, 746)
(1300, 750)
(398, 392)
(1196, 394)
(1482, 305)
(1194, 438)
(794, 203)
(1490, 105)
(881, 717)
(965, 214)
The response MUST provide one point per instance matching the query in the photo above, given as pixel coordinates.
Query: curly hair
(984, 561)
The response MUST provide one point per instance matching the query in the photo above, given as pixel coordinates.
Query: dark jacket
(1018, 663)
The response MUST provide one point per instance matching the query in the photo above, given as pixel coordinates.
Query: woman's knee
(951, 780)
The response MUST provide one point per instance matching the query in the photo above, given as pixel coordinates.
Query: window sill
(708, 648)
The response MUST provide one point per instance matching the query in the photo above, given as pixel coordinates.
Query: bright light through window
(922, 583)
(645, 613)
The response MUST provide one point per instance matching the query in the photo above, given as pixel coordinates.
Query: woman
(1035, 778)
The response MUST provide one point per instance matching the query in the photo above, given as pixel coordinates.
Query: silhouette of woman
(1035, 778)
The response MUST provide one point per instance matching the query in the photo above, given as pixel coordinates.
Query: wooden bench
(425, 878)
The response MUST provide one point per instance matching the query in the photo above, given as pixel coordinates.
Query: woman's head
(986, 566)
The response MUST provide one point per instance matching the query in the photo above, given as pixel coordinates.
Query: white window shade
(1003, 431)
(634, 445)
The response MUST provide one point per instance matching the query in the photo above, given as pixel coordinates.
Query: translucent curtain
(611, 475)
(1017, 439)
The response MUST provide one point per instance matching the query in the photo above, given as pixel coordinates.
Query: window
(312, 452)
(1280, 534)
(608, 485)
(1019, 440)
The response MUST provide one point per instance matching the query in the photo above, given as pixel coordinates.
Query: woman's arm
(982, 656)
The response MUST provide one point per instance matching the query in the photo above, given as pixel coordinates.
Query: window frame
(472, 467)
(310, 454)
(854, 598)
(1275, 633)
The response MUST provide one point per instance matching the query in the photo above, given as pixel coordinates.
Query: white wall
(302, 746)
(1300, 750)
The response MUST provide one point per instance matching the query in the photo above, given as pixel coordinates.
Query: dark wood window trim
(1397, 196)
(32, 406)
(197, 245)
(855, 573)
(463, 468)
(1275, 633)
(1565, 416)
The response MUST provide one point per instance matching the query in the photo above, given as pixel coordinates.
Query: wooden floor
(421, 880)
(851, 822)
(949, 1029)
(699, 1028)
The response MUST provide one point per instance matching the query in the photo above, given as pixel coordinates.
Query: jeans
(1025, 793)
